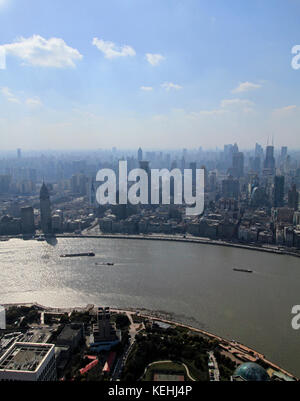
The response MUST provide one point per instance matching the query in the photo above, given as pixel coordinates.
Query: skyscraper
(45, 205)
(238, 164)
(140, 154)
(27, 220)
(278, 191)
(284, 151)
(258, 150)
(270, 160)
(293, 198)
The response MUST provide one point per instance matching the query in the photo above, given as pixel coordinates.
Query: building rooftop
(251, 372)
(25, 357)
(69, 333)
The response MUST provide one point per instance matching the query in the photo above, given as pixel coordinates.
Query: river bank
(164, 317)
(173, 238)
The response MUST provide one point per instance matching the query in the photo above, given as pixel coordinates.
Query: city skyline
(156, 75)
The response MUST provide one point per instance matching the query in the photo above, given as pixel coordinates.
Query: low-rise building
(71, 335)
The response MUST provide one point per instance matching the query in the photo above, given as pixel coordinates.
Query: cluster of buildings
(250, 197)
(19, 218)
(257, 203)
(35, 355)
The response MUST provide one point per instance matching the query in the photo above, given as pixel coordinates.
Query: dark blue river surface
(194, 282)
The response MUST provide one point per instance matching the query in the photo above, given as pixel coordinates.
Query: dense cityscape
(251, 197)
(149, 195)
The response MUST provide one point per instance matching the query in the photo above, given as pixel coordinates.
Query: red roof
(89, 367)
(109, 363)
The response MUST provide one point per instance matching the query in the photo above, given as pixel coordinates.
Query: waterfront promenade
(189, 239)
(174, 238)
(231, 346)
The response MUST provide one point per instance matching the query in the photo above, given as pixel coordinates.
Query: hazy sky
(151, 73)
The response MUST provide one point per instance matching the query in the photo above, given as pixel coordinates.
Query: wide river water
(195, 282)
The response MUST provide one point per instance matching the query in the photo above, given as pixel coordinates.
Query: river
(196, 282)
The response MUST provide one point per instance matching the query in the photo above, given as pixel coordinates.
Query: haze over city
(167, 74)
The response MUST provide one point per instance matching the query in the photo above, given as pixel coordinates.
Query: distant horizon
(145, 149)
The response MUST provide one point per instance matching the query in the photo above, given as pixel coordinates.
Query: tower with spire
(45, 206)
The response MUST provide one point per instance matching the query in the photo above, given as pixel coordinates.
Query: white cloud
(111, 50)
(169, 85)
(41, 52)
(245, 87)
(285, 111)
(288, 108)
(236, 102)
(154, 59)
(33, 102)
(146, 88)
(226, 106)
(7, 93)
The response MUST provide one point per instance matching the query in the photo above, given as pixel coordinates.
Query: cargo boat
(104, 264)
(243, 270)
(77, 255)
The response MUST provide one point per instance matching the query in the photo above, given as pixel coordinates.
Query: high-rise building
(27, 220)
(258, 150)
(140, 154)
(293, 198)
(19, 153)
(79, 184)
(144, 165)
(105, 334)
(92, 193)
(238, 164)
(45, 205)
(230, 188)
(5, 182)
(284, 151)
(279, 191)
(235, 148)
(193, 167)
(270, 160)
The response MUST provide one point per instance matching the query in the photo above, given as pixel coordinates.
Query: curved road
(159, 362)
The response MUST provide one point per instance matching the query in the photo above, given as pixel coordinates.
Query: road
(133, 330)
(214, 373)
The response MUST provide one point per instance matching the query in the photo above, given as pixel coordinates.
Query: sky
(90, 74)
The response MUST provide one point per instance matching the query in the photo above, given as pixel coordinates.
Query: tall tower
(238, 164)
(45, 205)
(140, 154)
(270, 160)
(279, 191)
